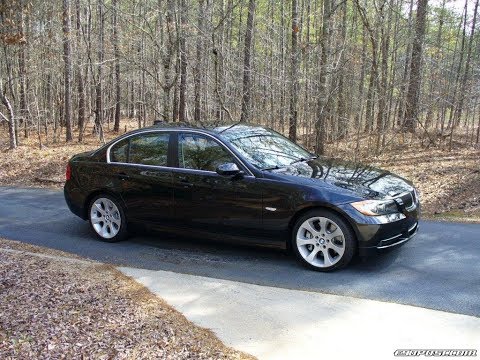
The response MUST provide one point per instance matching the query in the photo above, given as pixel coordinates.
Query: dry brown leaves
(58, 309)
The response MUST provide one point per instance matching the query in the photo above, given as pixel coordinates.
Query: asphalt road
(438, 269)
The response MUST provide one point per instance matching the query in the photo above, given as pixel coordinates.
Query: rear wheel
(107, 218)
(323, 241)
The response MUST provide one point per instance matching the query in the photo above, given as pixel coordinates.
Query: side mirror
(228, 169)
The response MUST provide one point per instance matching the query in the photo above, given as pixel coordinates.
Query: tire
(107, 218)
(323, 241)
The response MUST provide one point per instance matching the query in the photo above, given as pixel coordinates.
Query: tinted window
(149, 149)
(119, 152)
(201, 153)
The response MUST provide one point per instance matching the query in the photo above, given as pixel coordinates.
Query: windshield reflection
(264, 148)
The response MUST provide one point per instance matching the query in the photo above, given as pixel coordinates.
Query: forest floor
(448, 181)
(55, 305)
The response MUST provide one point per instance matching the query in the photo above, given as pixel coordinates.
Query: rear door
(141, 164)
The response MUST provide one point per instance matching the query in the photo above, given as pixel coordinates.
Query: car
(241, 183)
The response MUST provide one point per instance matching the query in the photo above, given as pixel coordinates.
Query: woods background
(320, 71)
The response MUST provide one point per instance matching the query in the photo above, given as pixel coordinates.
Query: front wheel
(323, 241)
(107, 218)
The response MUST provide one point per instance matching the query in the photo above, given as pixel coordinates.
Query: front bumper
(375, 236)
(390, 243)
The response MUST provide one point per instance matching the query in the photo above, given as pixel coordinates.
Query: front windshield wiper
(303, 159)
(276, 167)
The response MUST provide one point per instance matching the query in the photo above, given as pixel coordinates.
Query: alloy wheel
(320, 241)
(105, 218)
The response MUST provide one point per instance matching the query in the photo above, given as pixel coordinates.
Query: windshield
(264, 148)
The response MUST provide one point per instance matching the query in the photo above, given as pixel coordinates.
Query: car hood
(359, 179)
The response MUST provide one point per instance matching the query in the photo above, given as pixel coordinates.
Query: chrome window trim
(250, 174)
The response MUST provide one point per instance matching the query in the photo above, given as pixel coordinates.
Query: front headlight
(376, 207)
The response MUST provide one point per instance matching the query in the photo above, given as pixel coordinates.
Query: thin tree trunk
(322, 111)
(99, 84)
(79, 75)
(292, 129)
(67, 111)
(247, 64)
(183, 63)
(10, 118)
(116, 51)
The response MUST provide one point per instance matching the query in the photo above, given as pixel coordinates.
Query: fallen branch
(48, 180)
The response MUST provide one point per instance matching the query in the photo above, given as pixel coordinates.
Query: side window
(149, 149)
(119, 152)
(201, 153)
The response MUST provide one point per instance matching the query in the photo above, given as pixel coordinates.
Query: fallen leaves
(53, 308)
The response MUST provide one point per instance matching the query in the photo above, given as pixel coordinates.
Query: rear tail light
(68, 173)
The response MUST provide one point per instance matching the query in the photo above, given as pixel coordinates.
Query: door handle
(122, 176)
(185, 182)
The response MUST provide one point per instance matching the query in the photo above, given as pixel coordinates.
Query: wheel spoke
(97, 220)
(334, 233)
(327, 261)
(103, 230)
(309, 227)
(304, 241)
(98, 207)
(338, 249)
(323, 224)
(312, 255)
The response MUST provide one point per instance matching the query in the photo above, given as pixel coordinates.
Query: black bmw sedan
(245, 184)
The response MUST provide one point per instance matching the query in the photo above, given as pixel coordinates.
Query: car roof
(231, 129)
(228, 131)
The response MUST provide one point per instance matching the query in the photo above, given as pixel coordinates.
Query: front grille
(408, 200)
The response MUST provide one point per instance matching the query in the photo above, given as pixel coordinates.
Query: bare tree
(247, 64)
(116, 51)
(292, 129)
(322, 104)
(99, 80)
(10, 119)
(67, 111)
(413, 94)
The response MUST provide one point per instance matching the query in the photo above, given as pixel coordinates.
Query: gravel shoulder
(57, 307)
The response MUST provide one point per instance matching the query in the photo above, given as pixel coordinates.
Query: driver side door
(206, 201)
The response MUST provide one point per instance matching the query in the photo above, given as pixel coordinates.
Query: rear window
(149, 149)
(143, 149)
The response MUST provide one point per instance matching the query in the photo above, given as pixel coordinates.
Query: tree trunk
(247, 64)
(10, 118)
(67, 111)
(116, 51)
(413, 94)
(183, 63)
(463, 84)
(322, 111)
(292, 129)
(23, 80)
(79, 75)
(99, 84)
